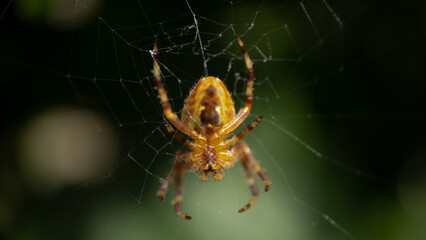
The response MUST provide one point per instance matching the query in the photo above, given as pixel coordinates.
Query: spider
(208, 117)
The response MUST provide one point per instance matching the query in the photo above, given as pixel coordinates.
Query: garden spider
(208, 117)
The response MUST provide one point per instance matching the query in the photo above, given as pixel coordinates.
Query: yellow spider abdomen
(208, 102)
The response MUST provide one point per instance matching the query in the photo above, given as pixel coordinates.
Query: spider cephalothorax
(208, 117)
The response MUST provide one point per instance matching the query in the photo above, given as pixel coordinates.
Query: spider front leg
(178, 188)
(251, 182)
(179, 157)
(177, 171)
(254, 165)
(248, 161)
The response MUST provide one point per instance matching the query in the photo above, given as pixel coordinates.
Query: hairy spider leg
(243, 113)
(248, 161)
(180, 167)
(180, 155)
(177, 171)
(162, 95)
(240, 135)
(254, 165)
(178, 135)
(251, 182)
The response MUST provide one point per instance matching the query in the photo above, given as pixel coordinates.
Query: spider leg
(251, 182)
(249, 64)
(240, 135)
(248, 161)
(181, 154)
(176, 171)
(178, 188)
(177, 135)
(162, 94)
(254, 165)
(243, 113)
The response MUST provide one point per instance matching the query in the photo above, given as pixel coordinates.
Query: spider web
(311, 87)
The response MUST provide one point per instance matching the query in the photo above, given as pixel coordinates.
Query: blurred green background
(82, 142)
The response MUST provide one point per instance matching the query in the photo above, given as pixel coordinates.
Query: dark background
(356, 96)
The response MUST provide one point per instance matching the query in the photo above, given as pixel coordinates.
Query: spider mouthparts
(209, 169)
